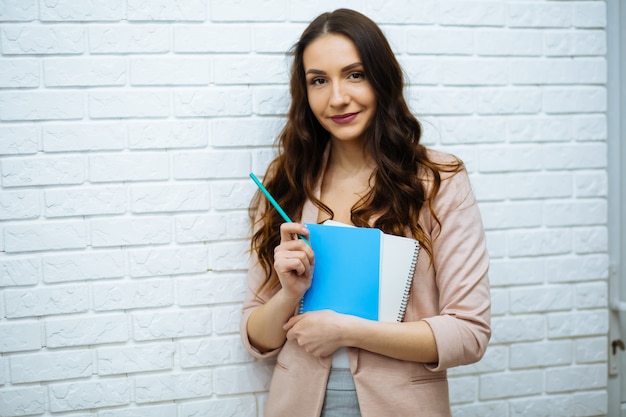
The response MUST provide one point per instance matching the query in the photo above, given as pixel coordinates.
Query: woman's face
(339, 93)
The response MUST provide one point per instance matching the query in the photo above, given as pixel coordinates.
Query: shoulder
(454, 187)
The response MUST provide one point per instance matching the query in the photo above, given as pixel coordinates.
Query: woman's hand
(319, 333)
(293, 260)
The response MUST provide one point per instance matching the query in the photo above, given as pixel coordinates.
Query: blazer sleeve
(461, 263)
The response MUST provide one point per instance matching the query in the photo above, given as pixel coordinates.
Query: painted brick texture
(128, 129)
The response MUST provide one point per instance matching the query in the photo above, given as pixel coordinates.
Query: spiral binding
(409, 282)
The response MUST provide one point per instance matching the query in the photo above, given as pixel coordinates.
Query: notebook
(360, 271)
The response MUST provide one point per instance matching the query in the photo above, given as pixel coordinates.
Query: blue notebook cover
(346, 272)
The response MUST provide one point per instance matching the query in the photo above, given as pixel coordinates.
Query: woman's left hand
(319, 333)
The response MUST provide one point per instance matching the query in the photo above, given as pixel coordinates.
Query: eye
(317, 81)
(356, 75)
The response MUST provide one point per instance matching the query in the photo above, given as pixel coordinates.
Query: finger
(292, 322)
(290, 231)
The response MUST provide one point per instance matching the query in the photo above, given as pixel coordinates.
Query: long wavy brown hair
(399, 191)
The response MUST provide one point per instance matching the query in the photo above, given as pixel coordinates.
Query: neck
(350, 158)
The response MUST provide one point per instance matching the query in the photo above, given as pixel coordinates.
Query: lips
(344, 118)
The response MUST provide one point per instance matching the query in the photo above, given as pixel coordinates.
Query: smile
(344, 118)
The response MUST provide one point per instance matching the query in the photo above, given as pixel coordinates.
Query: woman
(350, 152)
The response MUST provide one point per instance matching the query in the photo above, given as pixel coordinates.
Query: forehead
(328, 51)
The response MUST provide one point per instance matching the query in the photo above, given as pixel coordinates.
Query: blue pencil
(278, 208)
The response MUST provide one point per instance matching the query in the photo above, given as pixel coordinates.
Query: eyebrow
(344, 69)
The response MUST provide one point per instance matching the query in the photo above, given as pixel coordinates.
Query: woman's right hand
(294, 260)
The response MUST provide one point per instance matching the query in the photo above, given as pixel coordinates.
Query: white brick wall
(128, 128)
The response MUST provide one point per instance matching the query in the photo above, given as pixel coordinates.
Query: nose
(339, 96)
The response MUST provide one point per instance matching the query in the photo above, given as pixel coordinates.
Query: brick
(496, 244)
(88, 11)
(211, 227)
(588, 404)
(212, 352)
(592, 295)
(475, 13)
(463, 389)
(576, 378)
(45, 301)
(20, 336)
(20, 73)
(231, 194)
(173, 386)
(241, 379)
(22, 401)
(93, 136)
(483, 409)
(157, 262)
(41, 105)
(214, 164)
(513, 384)
(305, 11)
(82, 266)
(538, 242)
(591, 350)
(134, 231)
(591, 240)
(128, 104)
(496, 359)
(510, 42)
(169, 10)
(213, 101)
(253, 69)
(472, 71)
(576, 269)
(89, 394)
(19, 271)
(428, 71)
(261, 159)
(578, 323)
(140, 39)
(211, 289)
(170, 71)
(575, 213)
(541, 354)
(86, 330)
(85, 201)
(42, 40)
(81, 72)
(167, 134)
(542, 299)
(517, 100)
(404, 11)
(226, 319)
(162, 410)
(443, 101)
(558, 71)
(249, 132)
(248, 10)
(18, 10)
(277, 38)
(214, 38)
(439, 41)
(512, 158)
(47, 170)
(554, 128)
(521, 328)
(574, 43)
(511, 215)
(591, 184)
(36, 367)
(237, 406)
(19, 205)
(577, 156)
(18, 139)
(553, 406)
(589, 127)
(134, 359)
(133, 295)
(538, 185)
(590, 14)
(137, 166)
(172, 324)
(271, 101)
(500, 304)
(169, 198)
(45, 236)
(574, 100)
(539, 14)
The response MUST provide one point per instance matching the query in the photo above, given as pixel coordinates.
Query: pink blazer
(450, 292)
